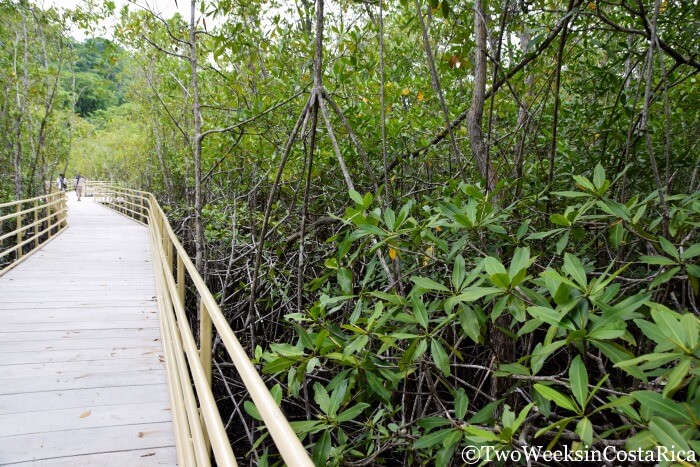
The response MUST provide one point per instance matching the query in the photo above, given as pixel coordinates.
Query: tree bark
(197, 150)
(476, 111)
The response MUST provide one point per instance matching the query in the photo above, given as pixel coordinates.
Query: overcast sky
(166, 8)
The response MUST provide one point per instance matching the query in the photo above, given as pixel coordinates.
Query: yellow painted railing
(32, 222)
(196, 418)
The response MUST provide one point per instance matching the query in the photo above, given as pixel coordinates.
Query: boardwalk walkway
(82, 379)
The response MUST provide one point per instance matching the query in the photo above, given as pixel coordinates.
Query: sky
(166, 8)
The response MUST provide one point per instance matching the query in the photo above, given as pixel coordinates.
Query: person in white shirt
(61, 182)
(79, 182)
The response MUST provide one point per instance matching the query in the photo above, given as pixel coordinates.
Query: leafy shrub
(396, 360)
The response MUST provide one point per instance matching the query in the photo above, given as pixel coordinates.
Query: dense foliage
(451, 225)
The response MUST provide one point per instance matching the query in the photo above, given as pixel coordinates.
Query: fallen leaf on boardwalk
(161, 358)
(140, 434)
(86, 414)
(149, 454)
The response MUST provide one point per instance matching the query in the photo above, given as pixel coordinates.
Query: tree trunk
(476, 111)
(197, 114)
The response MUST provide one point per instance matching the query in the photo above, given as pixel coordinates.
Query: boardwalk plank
(45, 446)
(139, 458)
(79, 334)
(27, 403)
(85, 355)
(85, 416)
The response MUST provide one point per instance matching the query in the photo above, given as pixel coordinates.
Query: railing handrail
(49, 220)
(171, 261)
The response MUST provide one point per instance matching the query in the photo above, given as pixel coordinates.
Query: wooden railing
(32, 222)
(196, 418)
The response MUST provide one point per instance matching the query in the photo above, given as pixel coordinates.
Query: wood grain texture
(82, 378)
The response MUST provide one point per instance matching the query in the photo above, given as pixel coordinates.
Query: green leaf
(493, 266)
(445, 9)
(352, 412)
(669, 326)
(691, 252)
(664, 277)
(470, 323)
(541, 353)
(458, 272)
(420, 312)
(322, 398)
(331, 263)
(356, 345)
(278, 365)
(578, 378)
(344, 276)
(584, 429)
(690, 325)
(429, 423)
(287, 350)
(500, 280)
(481, 434)
(471, 294)
(302, 427)
(507, 369)
(615, 235)
(669, 248)
(356, 197)
(545, 314)
(322, 449)
(598, 176)
(651, 330)
(252, 410)
(373, 230)
(485, 415)
(428, 284)
(570, 194)
(555, 396)
(665, 407)
(442, 361)
(562, 242)
(668, 435)
(461, 403)
(657, 260)
(377, 387)
(558, 219)
(389, 219)
(585, 183)
(676, 377)
(693, 269)
(431, 439)
(519, 264)
(574, 268)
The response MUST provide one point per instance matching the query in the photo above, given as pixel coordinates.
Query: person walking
(61, 182)
(79, 183)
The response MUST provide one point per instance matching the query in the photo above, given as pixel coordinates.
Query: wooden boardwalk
(82, 378)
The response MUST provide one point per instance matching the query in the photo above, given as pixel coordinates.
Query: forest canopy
(433, 225)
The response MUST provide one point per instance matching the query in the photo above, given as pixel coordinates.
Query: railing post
(47, 215)
(64, 209)
(36, 223)
(205, 349)
(205, 340)
(19, 227)
(141, 210)
(180, 279)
